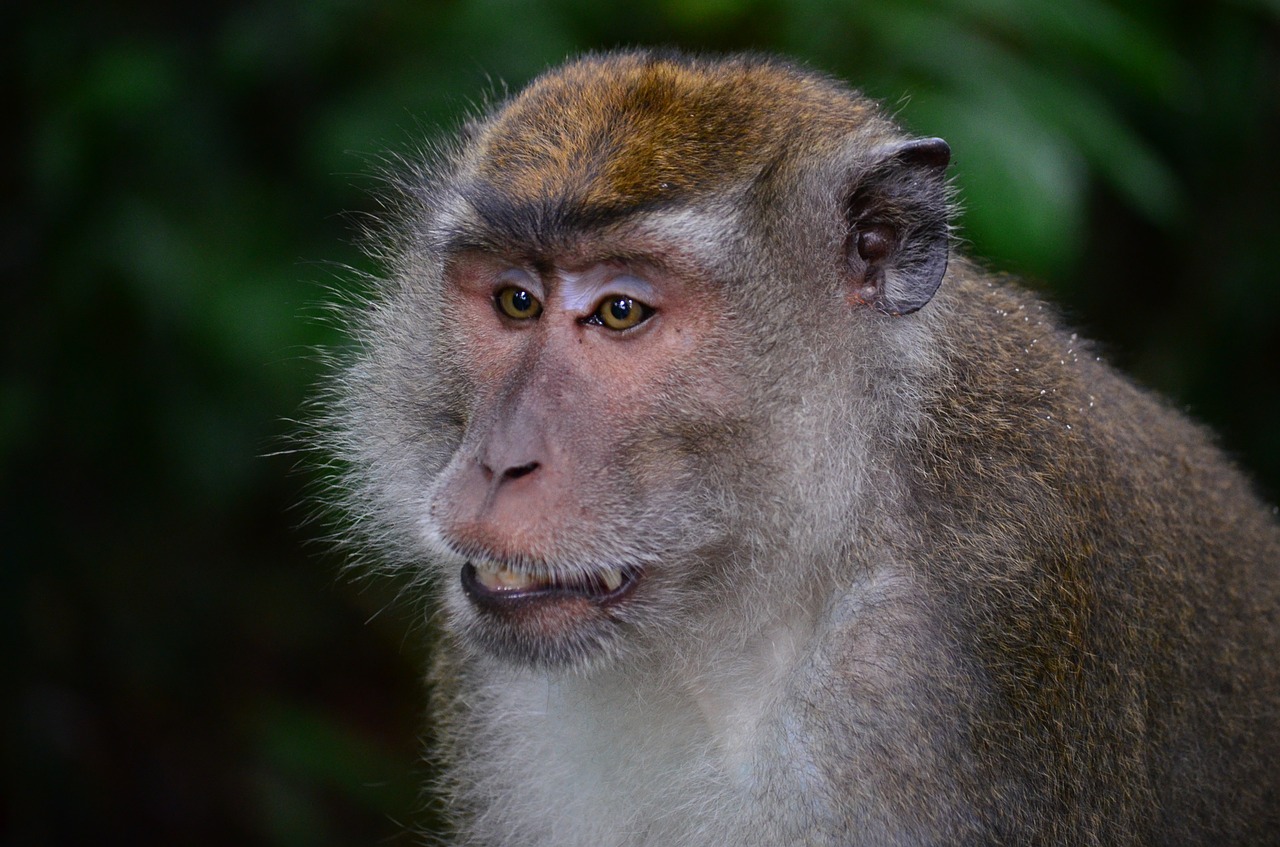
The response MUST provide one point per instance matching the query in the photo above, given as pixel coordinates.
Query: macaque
(753, 513)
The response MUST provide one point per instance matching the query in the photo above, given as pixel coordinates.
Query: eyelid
(584, 293)
(514, 277)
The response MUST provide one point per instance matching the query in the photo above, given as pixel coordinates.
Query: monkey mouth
(496, 586)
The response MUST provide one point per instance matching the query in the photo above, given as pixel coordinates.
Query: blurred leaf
(1088, 33)
(1021, 186)
(701, 12)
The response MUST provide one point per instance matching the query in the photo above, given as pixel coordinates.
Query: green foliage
(186, 179)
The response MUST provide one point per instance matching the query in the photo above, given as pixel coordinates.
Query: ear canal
(899, 207)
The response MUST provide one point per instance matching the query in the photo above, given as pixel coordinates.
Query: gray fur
(938, 578)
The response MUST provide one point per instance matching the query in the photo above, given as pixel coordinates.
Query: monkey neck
(735, 686)
(716, 684)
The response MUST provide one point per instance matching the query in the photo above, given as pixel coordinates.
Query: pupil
(620, 308)
(521, 300)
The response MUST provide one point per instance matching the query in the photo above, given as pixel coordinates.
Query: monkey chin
(547, 620)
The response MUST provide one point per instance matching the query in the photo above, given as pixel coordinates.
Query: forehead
(608, 135)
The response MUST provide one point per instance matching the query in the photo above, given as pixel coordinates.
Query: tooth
(487, 575)
(497, 578)
(511, 579)
(612, 578)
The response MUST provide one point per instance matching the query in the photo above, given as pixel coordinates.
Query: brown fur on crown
(613, 132)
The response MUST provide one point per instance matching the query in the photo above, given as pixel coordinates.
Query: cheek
(642, 372)
(675, 408)
(692, 372)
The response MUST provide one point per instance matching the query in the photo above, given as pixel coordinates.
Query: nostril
(519, 471)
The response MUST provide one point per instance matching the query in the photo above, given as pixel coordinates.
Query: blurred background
(184, 661)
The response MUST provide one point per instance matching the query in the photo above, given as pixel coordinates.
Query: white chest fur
(670, 755)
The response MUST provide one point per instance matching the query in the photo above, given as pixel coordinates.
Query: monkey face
(559, 497)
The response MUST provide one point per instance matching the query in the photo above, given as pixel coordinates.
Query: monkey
(751, 511)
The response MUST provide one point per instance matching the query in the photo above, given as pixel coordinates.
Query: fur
(932, 578)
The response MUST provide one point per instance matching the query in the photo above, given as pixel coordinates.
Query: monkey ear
(896, 252)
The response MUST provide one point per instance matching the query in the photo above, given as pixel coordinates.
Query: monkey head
(576, 391)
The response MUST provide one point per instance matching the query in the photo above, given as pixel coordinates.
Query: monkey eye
(620, 312)
(517, 303)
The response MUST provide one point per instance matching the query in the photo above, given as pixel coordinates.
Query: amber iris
(518, 304)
